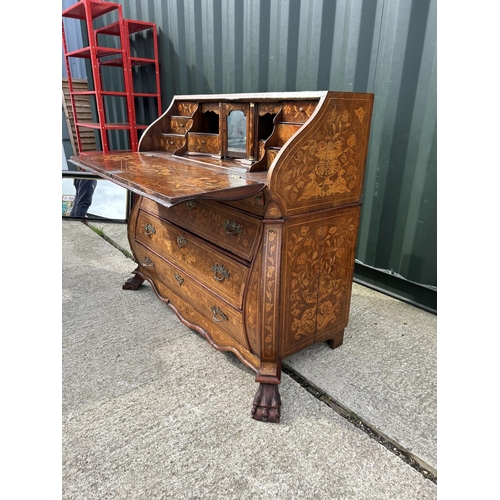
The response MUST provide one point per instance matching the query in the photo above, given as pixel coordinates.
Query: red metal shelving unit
(99, 56)
(131, 27)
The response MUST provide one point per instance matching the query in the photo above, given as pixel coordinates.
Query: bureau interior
(248, 134)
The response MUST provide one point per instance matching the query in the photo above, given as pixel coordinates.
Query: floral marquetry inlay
(319, 255)
(360, 113)
(187, 108)
(328, 166)
(271, 273)
(273, 211)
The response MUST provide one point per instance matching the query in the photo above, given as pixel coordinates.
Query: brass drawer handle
(179, 279)
(190, 204)
(220, 272)
(149, 229)
(218, 314)
(148, 262)
(232, 227)
(181, 241)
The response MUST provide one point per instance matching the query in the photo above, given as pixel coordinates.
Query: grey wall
(387, 47)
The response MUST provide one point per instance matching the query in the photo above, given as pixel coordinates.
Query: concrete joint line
(407, 457)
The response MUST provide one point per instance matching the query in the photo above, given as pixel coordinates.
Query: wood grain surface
(170, 180)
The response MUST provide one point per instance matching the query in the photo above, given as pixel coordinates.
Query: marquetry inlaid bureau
(246, 219)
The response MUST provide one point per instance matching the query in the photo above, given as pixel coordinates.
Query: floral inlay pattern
(328, 163)
(318, 254)
(253, 305)
(203, 143)
(187, 108)
(360, 113)
(270, 293)
(273, 108)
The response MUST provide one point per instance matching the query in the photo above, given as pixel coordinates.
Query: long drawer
(223, 226)
(168, 278)
(216, 271)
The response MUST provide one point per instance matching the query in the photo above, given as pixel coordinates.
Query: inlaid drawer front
(165, 276)
(169, 278)
(216, 271)
(271, 155)
(285, 131)
(203, 143)
(220, 314)
(170, 142)
(254, 204)
(186, 108)
(298, 112)
(227, 228)
(180, 124)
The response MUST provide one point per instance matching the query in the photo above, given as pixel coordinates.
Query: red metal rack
(129, 28)
(99, 56)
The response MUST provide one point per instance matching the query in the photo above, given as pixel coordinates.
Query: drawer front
(223, 226)
(203, 143)
(298, 112)
(186, 108)
(216, 271)
(271, 155)
(285, 131)
(170, 142)
(168, 278)
(254, 204)
(180, 124)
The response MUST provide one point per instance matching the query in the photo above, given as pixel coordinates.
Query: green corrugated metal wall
(387, 47)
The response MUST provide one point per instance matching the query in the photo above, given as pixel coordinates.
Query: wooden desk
(247, 219)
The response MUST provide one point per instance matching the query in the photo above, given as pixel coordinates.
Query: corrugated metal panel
(398, 230)
(383, 46)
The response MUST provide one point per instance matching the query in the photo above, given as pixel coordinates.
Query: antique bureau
(246, 217)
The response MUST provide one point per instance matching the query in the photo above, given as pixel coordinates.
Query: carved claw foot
(267, 403)
(133, 283)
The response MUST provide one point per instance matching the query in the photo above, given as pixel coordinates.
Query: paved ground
(151, 410)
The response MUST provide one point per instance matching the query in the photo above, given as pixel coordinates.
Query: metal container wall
(387, 47)
(74, 40)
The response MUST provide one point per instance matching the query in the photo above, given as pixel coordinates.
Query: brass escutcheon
(181, 241)
(190, 204)
(149, 229)
(220, 272)
(218, 314)
(232, 227)
(179, 279)
(148, 262)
